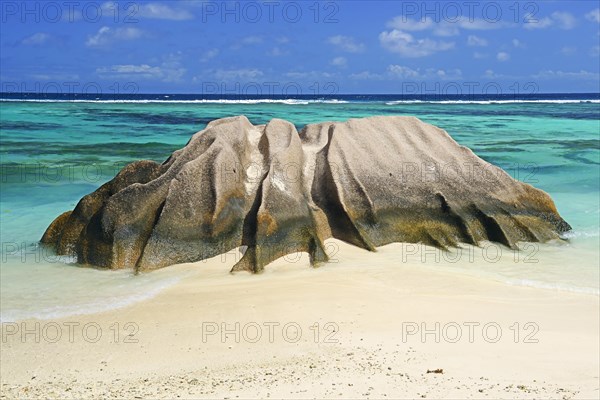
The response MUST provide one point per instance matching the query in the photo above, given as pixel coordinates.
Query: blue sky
(279, 47)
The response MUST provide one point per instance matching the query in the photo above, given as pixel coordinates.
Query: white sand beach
(361, 320)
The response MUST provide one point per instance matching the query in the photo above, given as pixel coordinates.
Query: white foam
(391, 103)
(579, 234)
(199, 101)
(553, 286)
(298, 101)
(102, 305)
(333, 101)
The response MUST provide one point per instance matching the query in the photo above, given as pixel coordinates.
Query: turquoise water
(53, 153)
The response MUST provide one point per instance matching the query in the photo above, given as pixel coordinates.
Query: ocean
(56, 148)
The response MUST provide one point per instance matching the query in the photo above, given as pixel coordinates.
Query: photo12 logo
(269, 332)
(70, 89)
(267, 88)
(485, 252)
(70, 11)
(318, 12)
(69, 332)
(469, 332)
(466, 90)
(455, 12)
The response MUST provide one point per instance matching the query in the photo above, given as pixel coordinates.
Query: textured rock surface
(368, 182)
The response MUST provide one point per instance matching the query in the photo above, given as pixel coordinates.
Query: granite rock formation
(368, 182)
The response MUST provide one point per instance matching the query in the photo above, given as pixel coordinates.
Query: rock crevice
(276, 191)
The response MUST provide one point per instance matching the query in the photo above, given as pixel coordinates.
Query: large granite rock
(368, 182)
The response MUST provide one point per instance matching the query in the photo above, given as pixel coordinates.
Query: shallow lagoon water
(52, 153)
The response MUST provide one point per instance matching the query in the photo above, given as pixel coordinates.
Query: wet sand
(358, 327)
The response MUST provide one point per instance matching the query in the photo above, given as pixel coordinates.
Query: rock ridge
(277, 191)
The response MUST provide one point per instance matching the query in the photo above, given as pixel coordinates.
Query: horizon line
(296, 95)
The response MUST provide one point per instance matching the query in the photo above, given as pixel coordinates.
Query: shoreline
(409, 254)
(353, 328)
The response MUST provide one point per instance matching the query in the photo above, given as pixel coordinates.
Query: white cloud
(209, 55)
(252, 40)
(309, 75)
(479, 24)
(399, 40)
(339, 62)
(443, 74)
(502, 56)
(346, 43)
(582, 74)
(407, 46)
(567, 51)
(55, 77)
(538, 23)
(141, 10)
(248, 41)
(490, 74)
(143, 71)
(518, 44)
(277, 52)
(477, 55)
(473, 40)
(404, 23)
(106, 36)
(170, 70)
(560, 19)
(235, 74)
(593, 15)
(445, 30)
(366, 75)
(564, 20)
(444, 27)
(36, 39)
(402, 72)
(394, 72)
(161, 11)
(595, 51)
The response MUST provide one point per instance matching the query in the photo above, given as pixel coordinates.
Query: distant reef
(276, 191)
